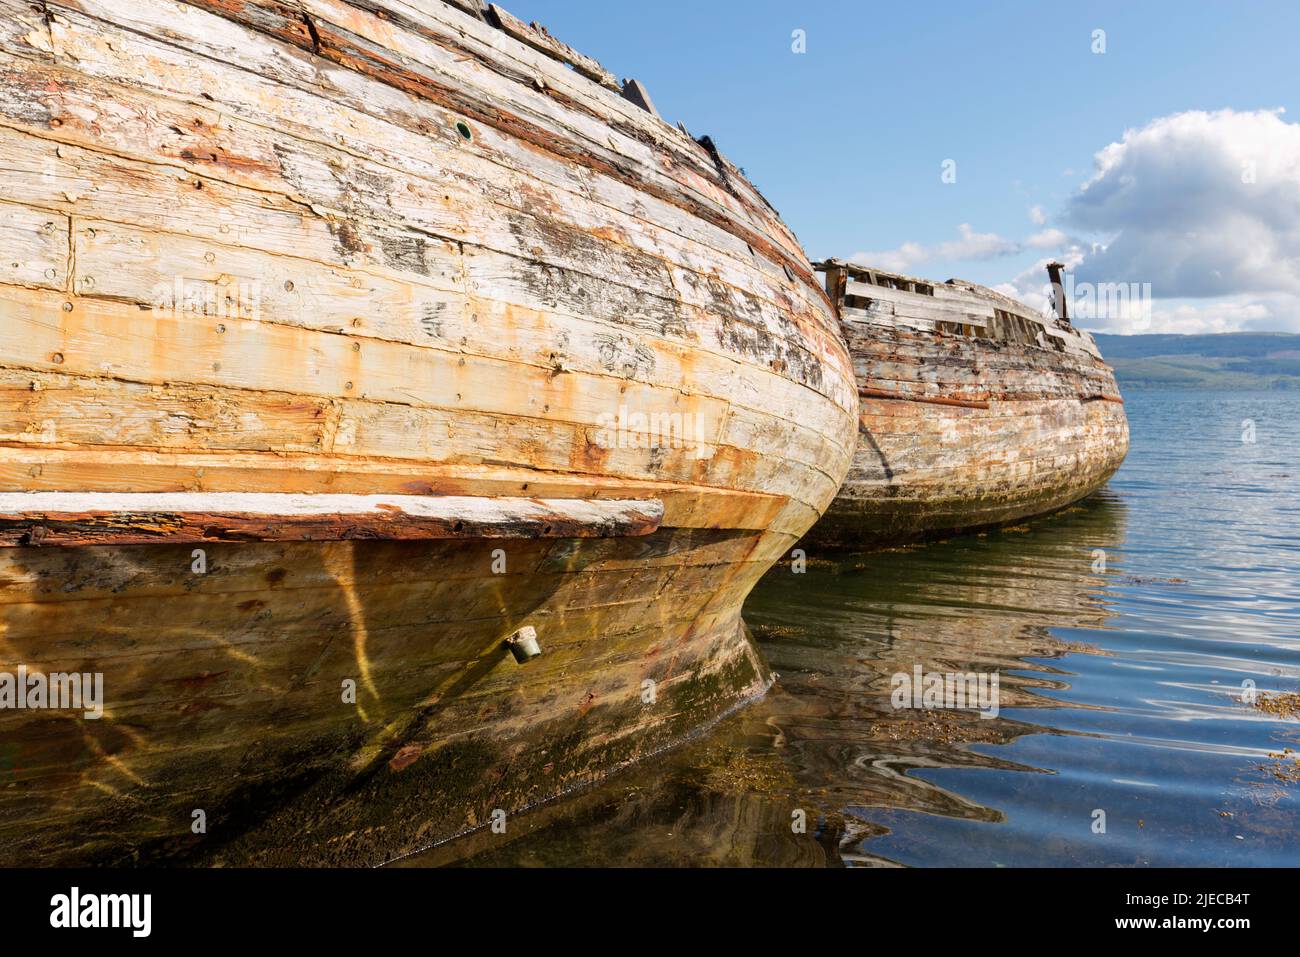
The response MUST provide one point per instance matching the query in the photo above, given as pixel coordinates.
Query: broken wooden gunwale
(72, 519)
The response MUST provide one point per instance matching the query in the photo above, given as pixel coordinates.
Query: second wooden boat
(976, 410)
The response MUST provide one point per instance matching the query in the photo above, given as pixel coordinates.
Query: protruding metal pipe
(523, 644)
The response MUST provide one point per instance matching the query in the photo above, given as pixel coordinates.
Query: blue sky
(847, 139)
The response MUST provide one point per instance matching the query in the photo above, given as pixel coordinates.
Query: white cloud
(1230, 314)
(1198, 204)
(969, 245)
(902, 259)
(1049, 239)
(1203, 206)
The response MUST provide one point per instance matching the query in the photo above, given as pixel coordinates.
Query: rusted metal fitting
(523, 644)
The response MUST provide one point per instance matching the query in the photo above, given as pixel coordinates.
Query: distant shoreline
(1267, 361)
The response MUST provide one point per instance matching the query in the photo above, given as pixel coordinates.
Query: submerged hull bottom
(946, 470)
(346, 703)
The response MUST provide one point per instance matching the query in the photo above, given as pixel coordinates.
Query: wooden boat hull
(965, 425)
(227, 695)
(373, 248)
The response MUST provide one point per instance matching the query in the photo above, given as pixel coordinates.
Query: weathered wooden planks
(209, 81)
(538, 38)
(962, 426)
(35, 247)
(377, 248)
(432, 260)
(918, 306)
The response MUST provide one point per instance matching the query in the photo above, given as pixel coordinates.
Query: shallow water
(1121, 632)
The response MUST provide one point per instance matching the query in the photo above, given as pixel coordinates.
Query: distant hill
(1233, 360)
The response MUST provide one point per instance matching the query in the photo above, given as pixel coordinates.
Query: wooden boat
(345, 342)
(977, 411)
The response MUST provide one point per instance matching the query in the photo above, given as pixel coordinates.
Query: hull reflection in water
(827, 744)
(1121, 687)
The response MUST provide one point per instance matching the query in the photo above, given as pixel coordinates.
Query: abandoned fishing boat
(976, 410)
(353, 352)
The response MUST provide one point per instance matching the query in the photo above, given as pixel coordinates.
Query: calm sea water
(1123, 687)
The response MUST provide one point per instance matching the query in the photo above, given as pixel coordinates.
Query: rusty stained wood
(721, 298)
(418, 257)
(870, 392)
(70, 519)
